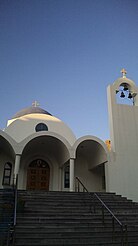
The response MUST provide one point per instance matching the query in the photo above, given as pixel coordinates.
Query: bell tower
(123, 123)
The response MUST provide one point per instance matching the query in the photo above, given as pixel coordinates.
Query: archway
(7, 155)
(49, 149)
(38, 175)
(91, 156)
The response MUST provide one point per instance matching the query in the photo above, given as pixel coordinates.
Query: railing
(79, 187)
(11, 232)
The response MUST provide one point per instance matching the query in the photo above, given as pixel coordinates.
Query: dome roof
(30, 110)
(25, 122)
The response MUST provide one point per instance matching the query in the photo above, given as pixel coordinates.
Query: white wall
(91, 179)
(123, 169)
(24, 126)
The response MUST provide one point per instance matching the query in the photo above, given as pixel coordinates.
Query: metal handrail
(15, 208)
(124, 239)
(15, 200)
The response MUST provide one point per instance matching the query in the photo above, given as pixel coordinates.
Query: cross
(124, 72)
(35, 104)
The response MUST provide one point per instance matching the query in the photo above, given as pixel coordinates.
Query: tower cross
(35, 104)
(124, 72)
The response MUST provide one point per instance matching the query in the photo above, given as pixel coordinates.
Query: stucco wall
(24, 126)
(91, 179)
(123, 168)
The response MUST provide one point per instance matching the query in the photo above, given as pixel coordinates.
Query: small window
(66, 177)
(41, 127)
(7, 174)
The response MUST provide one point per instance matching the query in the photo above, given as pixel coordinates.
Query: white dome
(25, 125)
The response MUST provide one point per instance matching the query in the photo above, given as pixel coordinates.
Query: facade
(43, 152)
(46, 155)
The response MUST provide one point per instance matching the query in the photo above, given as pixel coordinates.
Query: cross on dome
(35, 104)
(124, 72)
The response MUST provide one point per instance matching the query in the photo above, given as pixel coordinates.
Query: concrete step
(67, 218)
(74, 243)
(83, 240)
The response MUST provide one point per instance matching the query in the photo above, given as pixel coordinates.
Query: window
(41, 127)
(7, 174)
(38, 163)
(66, 177)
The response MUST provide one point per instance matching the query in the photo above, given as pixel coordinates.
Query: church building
(43, 152)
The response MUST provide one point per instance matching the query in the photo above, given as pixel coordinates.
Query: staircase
(6, 214)
(67, 218)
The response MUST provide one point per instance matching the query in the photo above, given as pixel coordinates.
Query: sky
(64, 54)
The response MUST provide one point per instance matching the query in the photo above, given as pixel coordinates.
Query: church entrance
(38, 175)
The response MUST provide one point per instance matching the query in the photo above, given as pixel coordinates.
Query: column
(60, 179)
(71, 174)
(16, 167)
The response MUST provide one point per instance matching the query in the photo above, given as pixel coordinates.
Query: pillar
(16, 167)
(60, 179)
(71, 174)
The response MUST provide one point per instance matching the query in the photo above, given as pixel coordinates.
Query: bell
(122, 94)
(125, 88)
(130, 95)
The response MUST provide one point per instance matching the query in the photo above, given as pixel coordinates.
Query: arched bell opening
(125, 94)
(124, 90)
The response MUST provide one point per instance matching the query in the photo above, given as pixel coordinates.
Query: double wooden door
(38, 175)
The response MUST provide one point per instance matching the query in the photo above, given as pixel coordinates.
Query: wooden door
(38, 175)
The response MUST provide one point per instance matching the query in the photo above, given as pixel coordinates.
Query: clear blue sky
(64, 53)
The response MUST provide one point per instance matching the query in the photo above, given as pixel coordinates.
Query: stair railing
(79, 187)
(11, 232)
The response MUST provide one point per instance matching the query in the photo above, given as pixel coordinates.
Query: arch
(8, 141)
(118, 88)
(85, 138)
(122, 80)
(39, 134)
(90, 155)
(48, 147)
(48, 144)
